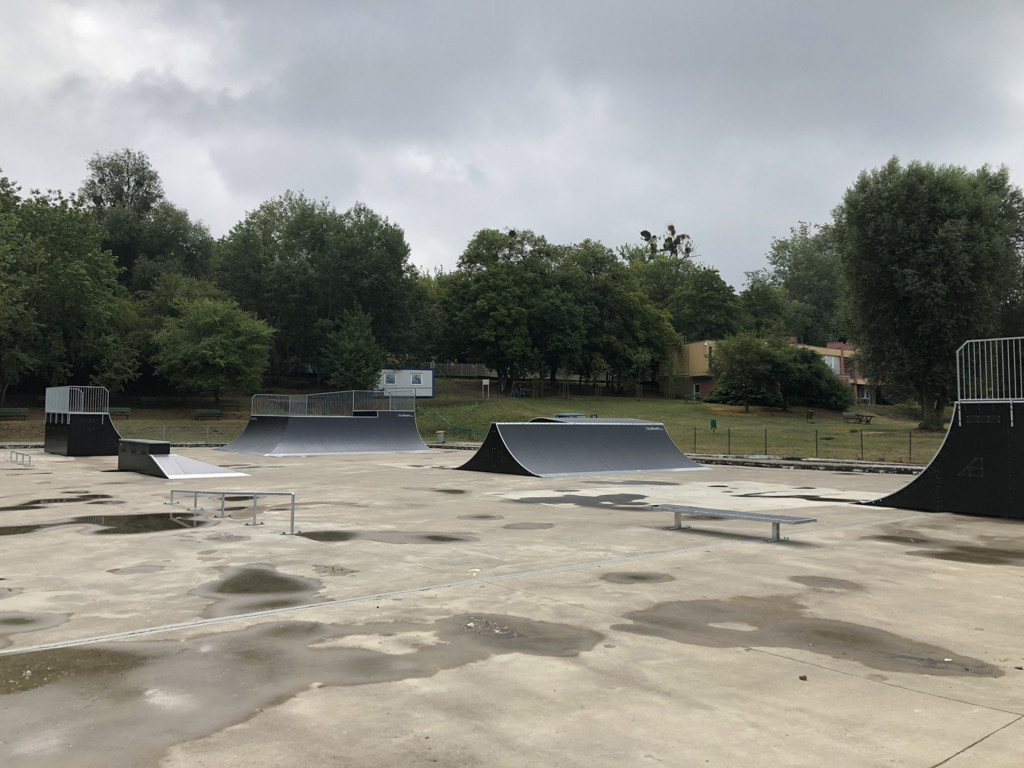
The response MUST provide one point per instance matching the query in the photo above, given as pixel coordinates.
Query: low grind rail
(20, 458)
(681, 511)
(255, 495)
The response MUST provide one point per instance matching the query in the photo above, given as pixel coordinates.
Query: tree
(806, 267)
(211, 345)
(930, 254)
(744, 366)
(301, 265)
(352, 358)
(63, 316)
(803, 378)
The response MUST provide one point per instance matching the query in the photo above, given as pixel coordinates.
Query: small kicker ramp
(376, 432)
(558, 448)
(154, 457)
(979, 469)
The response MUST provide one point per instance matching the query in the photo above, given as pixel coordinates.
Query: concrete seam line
(413, 590)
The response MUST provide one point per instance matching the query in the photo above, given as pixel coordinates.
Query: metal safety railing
(77, 400)
(18, 457)
(333, 403)
(255, 495)
(990, 370)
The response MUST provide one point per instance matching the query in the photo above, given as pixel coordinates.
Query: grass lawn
(458, 410)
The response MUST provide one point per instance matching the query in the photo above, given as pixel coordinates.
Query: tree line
(115, 285)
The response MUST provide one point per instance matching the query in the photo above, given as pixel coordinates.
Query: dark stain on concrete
(333, 570)
(627, 577)
(12, 623)
(827, 582)
(133, 570)
(782, 622)
(117, 524)
(160, 693)
(246, 589)
(606, 501)
(450, 490)
(804, 496)
(528, 526)
(388, 537)
(75, 496)
(994, 550)
(481, 517)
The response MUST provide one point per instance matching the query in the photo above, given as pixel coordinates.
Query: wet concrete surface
(551, 625)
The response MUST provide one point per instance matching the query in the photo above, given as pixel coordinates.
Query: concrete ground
(427, 616)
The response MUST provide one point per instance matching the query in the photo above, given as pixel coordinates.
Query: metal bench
(14, 413)
(727, 514)
(858, 418)
(207, 413)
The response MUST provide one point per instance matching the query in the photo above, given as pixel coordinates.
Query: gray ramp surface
(384, 432)
(175, 467)
(580, 447)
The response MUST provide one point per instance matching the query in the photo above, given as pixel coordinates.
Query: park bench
(858, 418)
(207, 413)
(9, 414)
(727, 514)
(153, 402)
(120, 411)
(235, 404)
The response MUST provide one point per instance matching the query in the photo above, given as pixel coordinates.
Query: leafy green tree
(300, 265)
(803, 378)
(806, 267)
(762, 305)
(63, 316)
(352, 357)
(744, 367)
(211, 345)
(930, 254)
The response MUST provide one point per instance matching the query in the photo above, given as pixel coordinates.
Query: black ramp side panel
(81, 434)
(979, 470)
(385, 432)
(585, 447)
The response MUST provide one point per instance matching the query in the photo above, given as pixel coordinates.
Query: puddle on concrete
(481, 517)
(226, 538)
(827, 582)
(606, 501)
(12, 623)
(166, 692)
(782, 622)
(388, 537)
(450, 490)
(996, 550)
(76, 496)
(117, 524)
(246, 589)
(626, 577)
(528, 526)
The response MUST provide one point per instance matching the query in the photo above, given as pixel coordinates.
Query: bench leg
(775, 533)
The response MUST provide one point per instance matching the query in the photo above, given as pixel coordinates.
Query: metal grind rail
(20, 458)
(255, 495)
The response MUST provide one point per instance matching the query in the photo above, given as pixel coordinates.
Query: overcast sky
(732, 120)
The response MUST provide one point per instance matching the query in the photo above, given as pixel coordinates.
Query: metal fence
(77, 400)
(990, 370)
(333, 403)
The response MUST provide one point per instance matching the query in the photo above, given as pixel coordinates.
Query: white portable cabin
(419, 380)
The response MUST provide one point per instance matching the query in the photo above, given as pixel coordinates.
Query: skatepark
(422, 615)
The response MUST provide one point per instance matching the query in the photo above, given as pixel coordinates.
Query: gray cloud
(577, 118)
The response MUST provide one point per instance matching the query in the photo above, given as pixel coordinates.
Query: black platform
(80, 434)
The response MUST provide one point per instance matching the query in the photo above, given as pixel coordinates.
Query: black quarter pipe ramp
(979, 470)
(555, 448)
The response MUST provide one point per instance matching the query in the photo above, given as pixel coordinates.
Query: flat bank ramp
(154, 457)
(176, 467)
(979, 469)
(378, 432)
(579, 447)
